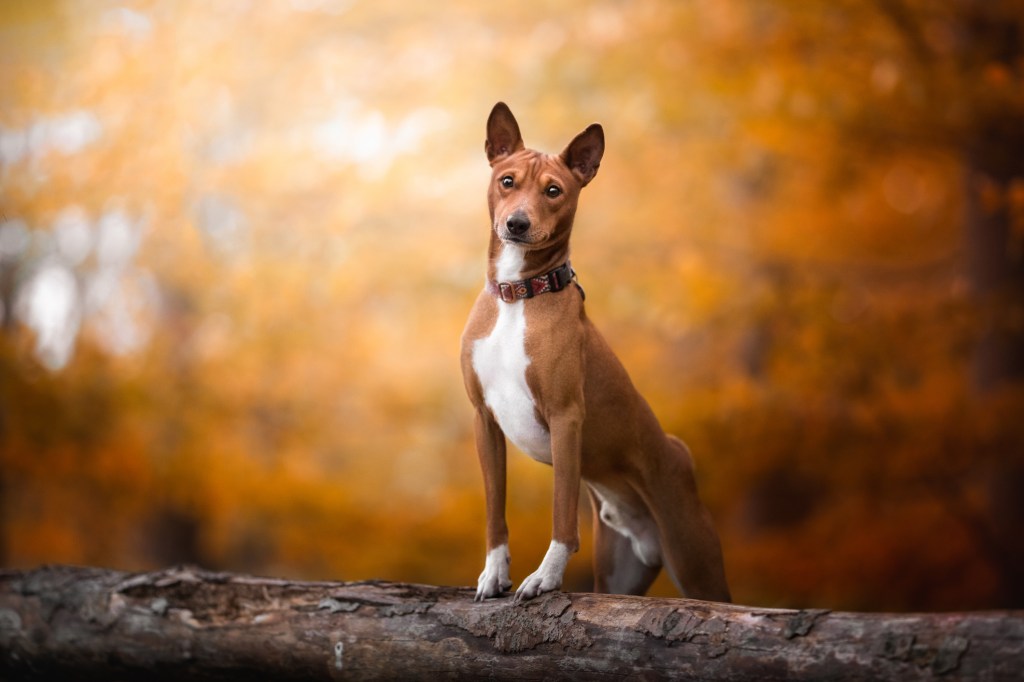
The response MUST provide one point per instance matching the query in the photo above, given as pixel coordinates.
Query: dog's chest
(500, 362)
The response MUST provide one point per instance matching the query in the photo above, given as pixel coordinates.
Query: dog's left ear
(583, 155)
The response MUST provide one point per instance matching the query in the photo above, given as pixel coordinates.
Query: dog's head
(533, 196)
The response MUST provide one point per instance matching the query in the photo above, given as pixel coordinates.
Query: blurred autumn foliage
(238, 241)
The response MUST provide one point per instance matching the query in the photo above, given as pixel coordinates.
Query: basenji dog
(540, 374)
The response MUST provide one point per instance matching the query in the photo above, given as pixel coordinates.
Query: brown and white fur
(539, 373)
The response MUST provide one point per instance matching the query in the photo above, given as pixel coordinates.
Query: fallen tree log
(185, 623)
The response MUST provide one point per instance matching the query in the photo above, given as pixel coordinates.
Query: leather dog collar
(552, 281)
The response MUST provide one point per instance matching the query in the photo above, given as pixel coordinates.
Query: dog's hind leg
(690, 546)
(617, 568)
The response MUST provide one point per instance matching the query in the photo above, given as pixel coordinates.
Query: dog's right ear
(503, 136)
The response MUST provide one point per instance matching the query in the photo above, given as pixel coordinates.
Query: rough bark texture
(184, 623)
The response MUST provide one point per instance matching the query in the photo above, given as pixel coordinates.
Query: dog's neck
(512, 262)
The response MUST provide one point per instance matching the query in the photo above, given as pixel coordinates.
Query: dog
(540, 374)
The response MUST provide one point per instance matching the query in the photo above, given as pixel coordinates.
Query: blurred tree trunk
(993, 153)
(981, 82)
(993, 144)
(87, 623)
(995, 246)
(969, 85)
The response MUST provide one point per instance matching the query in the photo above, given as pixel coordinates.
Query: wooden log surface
(186, 623)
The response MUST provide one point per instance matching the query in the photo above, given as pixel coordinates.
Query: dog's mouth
(515, 239)
(526, 239)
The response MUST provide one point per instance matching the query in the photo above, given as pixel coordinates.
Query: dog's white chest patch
(500, 362)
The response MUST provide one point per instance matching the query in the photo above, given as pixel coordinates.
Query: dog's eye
(507, 182)
(553, 191)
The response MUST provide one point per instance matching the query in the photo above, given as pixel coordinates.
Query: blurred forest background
(239, 239)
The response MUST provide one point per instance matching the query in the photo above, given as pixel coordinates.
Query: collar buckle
(506, 292)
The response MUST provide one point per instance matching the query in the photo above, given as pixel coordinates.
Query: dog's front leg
(566, 442)
(490, 447)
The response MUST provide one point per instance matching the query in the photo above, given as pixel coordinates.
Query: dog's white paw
(537, 584)
(494, 580)
(548, 577)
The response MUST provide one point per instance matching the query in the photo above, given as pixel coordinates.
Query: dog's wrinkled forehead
(530, 165)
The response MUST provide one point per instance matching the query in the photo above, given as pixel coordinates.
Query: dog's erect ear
(503, 136)
(583, 155)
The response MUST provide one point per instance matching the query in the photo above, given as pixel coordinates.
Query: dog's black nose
(517, 223)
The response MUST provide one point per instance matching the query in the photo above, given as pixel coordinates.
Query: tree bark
(184, 623)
